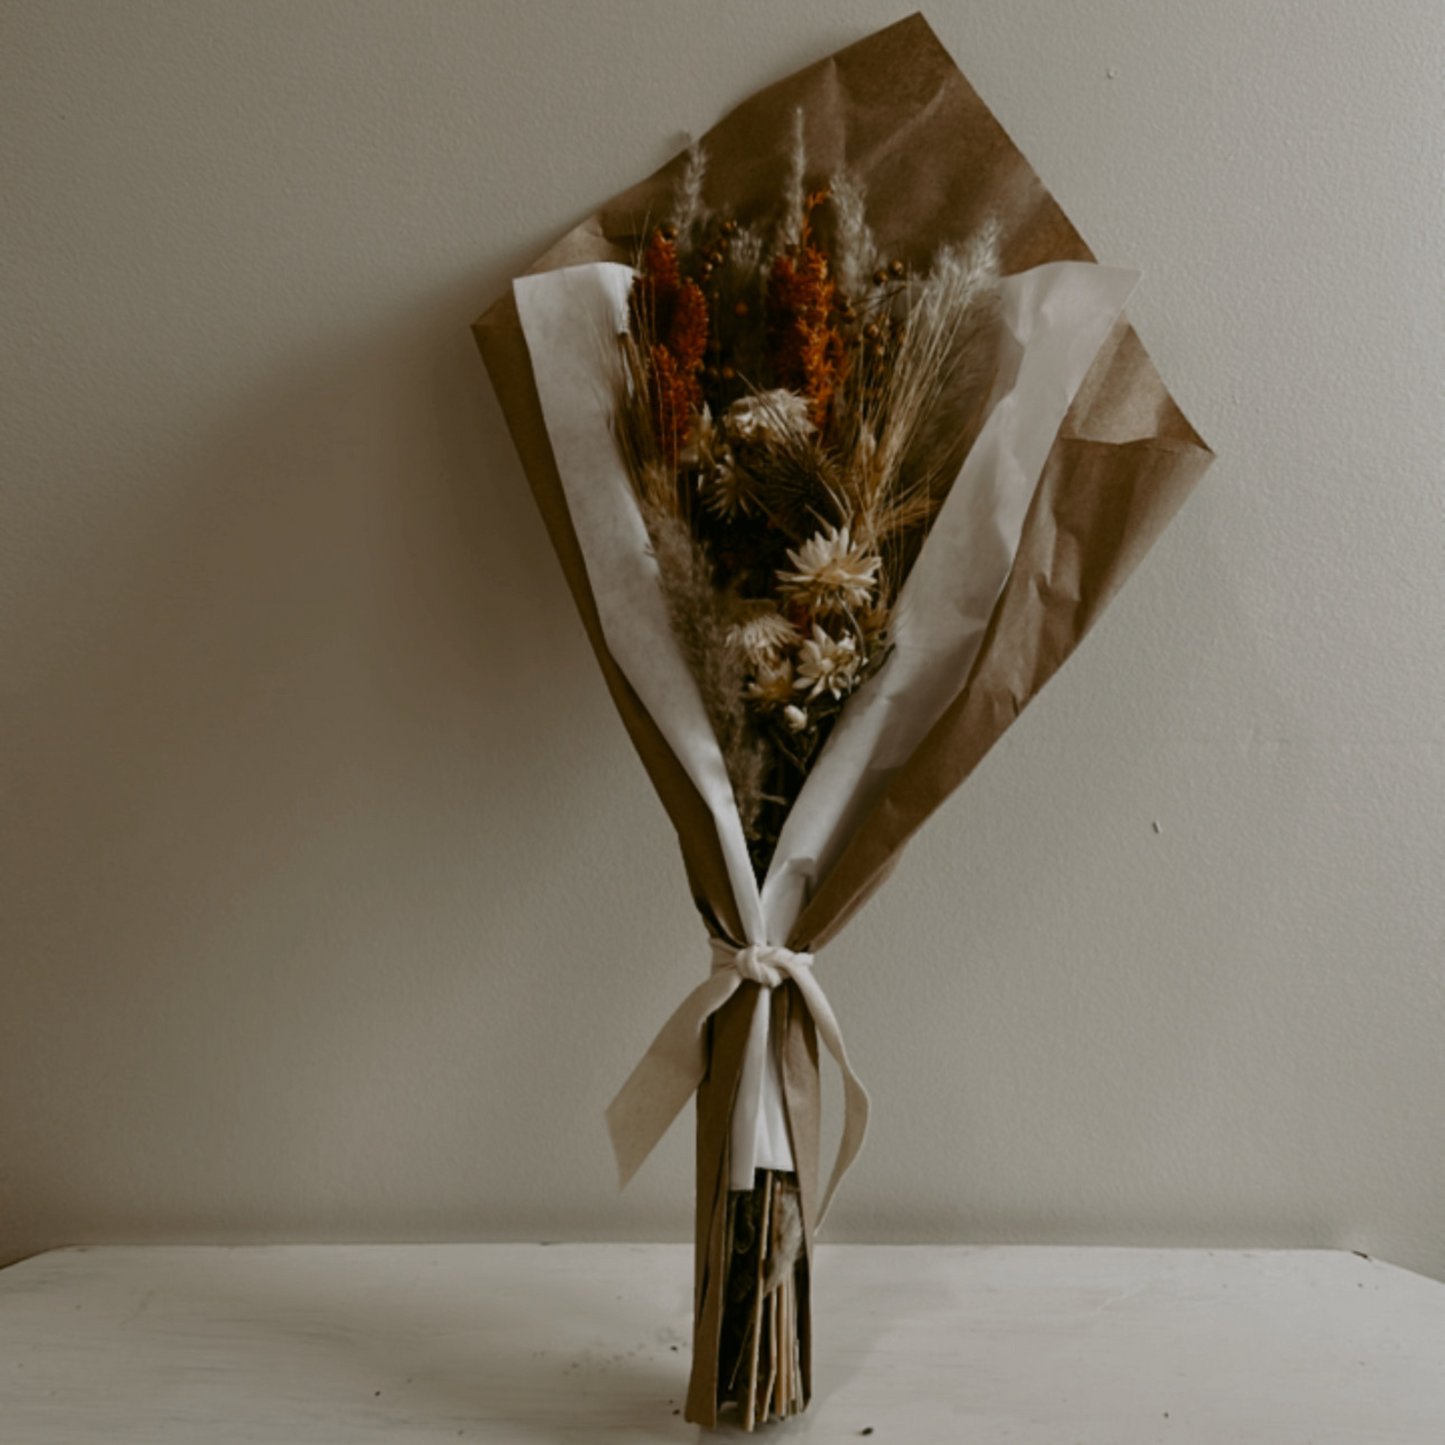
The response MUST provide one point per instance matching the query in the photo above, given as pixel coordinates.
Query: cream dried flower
(834, 574)
(701, 448)
(769, 416)
(773, 685)
(764, 633)
(728, 492)
(796, 718)
(826, 664)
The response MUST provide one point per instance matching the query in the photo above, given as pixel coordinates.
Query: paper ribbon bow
(670, 1071)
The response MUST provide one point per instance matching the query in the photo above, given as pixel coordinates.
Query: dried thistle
(792, 482)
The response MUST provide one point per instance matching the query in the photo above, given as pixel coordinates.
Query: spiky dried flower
(728, 489)
(772, 687)
(763, 633)
(827, 664)
(834, 574)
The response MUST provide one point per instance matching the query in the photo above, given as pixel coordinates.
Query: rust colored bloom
(660, 265)
(671, 394)
(669, 317)
(687, 336)
(807, 351)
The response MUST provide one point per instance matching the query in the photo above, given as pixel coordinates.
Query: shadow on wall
(1134, 1053)
(306, 686)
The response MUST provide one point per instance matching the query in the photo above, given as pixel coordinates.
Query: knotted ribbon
(672, 1068)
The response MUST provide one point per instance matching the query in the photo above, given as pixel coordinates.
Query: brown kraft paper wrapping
(895, 111)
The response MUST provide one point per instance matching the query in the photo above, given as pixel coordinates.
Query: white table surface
(528, 1344)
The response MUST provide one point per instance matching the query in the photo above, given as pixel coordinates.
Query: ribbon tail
(855, 1096)
(667, 1076)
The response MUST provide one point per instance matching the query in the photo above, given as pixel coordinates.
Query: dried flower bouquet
(843, 443)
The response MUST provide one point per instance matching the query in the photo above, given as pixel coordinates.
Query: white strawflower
(796, 718)
(769, 416)
(764, 634)
(826, 664)
(773, 684)
(833, 574)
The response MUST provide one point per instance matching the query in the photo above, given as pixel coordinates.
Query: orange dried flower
(671, 393)
(808, 352)
(669, 316)
(659, 262)
(687, 336)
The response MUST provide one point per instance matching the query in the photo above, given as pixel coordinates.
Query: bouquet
(843, 442)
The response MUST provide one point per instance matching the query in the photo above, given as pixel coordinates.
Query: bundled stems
(760, 1372)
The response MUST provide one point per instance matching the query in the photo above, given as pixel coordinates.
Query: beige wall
(334, 903)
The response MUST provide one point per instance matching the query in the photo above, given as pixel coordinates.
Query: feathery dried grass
(653, 480)
(915, 413)
(855, 251)
(689, 211)
(703, 622)
(793, 216)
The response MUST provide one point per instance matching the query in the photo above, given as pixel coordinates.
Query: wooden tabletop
(526, 1344)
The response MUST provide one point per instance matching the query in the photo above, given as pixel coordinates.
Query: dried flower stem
(760, 1371)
